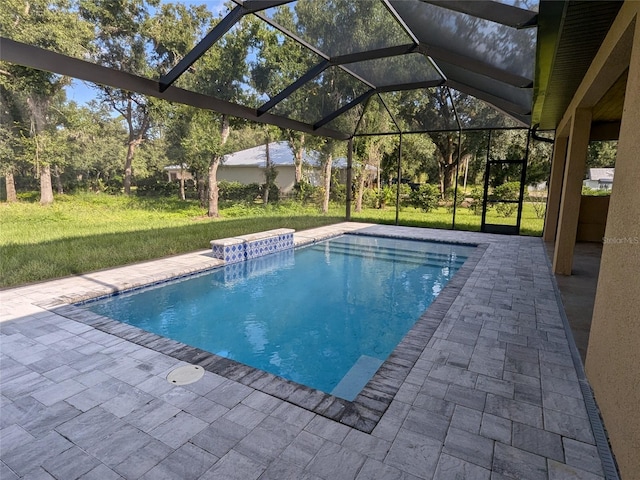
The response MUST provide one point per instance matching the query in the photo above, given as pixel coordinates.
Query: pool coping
(363, 413)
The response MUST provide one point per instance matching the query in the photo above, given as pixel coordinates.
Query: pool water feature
(325, 316)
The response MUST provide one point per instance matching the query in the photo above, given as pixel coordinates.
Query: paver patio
(495, 393)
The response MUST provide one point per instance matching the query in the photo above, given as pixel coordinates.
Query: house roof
(601, 174)
(279, 154)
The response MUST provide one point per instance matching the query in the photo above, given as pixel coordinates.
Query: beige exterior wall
(613, 356)
(571, 191)
(592, 219)
(555, 189)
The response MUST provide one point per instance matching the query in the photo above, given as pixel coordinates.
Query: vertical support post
(455, 190)
(523, 180)
(486, 184)
(349, 178)
(571, 191)
(554, 190)
(399, 180)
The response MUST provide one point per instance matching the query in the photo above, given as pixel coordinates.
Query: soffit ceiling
(570, 34)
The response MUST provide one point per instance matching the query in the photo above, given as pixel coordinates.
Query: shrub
(154, 187)
(451, 197)
(426, 197)
(405, 194)
(507, 191)
(338, 193)
(595, 192)
(539, 204)
(274, 192)
(477, 195)
(238, 192)
(387, 196)
(450, 194)
(304, 191)
(370, 198)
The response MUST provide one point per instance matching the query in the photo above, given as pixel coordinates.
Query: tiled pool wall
(246, 247)
(365, 411)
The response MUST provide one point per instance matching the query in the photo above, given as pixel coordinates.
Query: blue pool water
(325, 316)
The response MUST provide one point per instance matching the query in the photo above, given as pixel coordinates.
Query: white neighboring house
(600, 178)
(248, 166)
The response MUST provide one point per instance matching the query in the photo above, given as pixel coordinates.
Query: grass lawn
(441, 217)
(88, 232)
(83, 233)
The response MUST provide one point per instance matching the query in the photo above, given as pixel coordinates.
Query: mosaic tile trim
(245, 247)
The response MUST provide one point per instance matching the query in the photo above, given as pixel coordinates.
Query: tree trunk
(267, 175)
(182, 195)
(38, 106)
(202, 190)
(225, 129)
(56, 174)
(46, 190)
(11, 187)
(213, 169)
(446, 173)
(360, 191)
(131, 147)
(298, 161)
(213, 187)
(327, 184)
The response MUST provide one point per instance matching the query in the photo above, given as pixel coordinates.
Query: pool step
(423, 259)
(395, 250)
(357, 377)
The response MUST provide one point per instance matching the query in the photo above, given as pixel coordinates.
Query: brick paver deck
(494, 394)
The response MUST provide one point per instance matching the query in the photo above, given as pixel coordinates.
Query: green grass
(442, 218)
(83, 233)
(88, 232)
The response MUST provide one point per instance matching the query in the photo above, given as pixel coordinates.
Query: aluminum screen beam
(214, 35)
(490, 10)
(337, 61)
(374, 54)
(410, 86)
(517, 112)
(344, 108)
(253, 6)
(41, 59)
(201, 48)
(476, 66)
(369, 93)
(311, 74)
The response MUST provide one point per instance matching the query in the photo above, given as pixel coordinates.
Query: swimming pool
(325, 316)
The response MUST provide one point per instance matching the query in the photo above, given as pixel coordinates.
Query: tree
(7, 151)
(122, 43)
(270, 173)
(10, 144)
(222, 72)
(296, 143)
(328, 150)
(96, 146)
(43, 23)
(602, 154)
(203, 146)
(432, 110)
